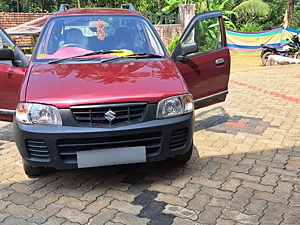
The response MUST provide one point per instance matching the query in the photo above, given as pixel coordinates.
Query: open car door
(203, 58)
(13, 64)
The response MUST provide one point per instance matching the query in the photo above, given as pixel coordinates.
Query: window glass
(74, 35)
(3, 44)
(207, 35)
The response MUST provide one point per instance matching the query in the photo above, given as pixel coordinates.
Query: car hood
(64, 85)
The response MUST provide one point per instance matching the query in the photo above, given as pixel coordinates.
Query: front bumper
(57, 146)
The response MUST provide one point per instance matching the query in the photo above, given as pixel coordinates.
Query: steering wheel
(72, 45)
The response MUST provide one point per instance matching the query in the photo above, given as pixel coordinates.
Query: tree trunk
(289, 13)
(159, 4)
(18, 9)
(78, 2)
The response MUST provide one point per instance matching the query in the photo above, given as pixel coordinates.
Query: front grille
(37, 149)
(178, 138)
(109, 115)
(67, 148)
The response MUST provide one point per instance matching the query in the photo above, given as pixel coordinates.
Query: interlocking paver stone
(19, 211)
(125, 207)
(171, 199)
(209, 215)
(241, 217)
(129, 219)
(244, 169)
(256, 207)
(41, 216)
(95, 207)
(181, 212)
(104, 216)
(74, 215)
(54, 220)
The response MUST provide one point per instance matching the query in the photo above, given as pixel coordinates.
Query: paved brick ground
(248, 172)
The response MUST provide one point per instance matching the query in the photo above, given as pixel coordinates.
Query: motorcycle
(290, 50)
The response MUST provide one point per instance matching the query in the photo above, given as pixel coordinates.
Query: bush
(251, 27)
(172, 45)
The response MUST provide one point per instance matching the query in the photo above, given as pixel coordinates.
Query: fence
(161, 19)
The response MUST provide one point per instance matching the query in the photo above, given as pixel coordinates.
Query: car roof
(96, 11)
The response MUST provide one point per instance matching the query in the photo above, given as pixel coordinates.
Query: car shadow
(210, 118)
(6, 134)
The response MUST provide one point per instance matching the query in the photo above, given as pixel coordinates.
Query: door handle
(219, 61)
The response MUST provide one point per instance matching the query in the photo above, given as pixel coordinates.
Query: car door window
(3, 44)
(206, 34)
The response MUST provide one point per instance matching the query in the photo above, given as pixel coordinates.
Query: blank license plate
(114, 156)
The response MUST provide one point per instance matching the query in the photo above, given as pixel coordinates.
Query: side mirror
(7, 54)
(187, 49)
(17, 63)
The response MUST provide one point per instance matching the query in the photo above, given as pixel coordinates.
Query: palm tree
(249, 10)
(246, 11)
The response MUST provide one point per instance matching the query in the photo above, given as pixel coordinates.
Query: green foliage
(252, 8)
(36, 6)
(251, 27)
(172, 45)
(295, 21)
(172, 7)
(207, 34)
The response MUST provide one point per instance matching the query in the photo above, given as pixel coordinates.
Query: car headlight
(175, 106)
(33, 113)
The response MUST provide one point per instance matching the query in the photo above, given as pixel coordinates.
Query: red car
(100, 89)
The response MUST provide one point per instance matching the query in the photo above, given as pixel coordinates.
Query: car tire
(182, 159)
(32, 171)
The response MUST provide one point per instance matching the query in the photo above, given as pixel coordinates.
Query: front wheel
(265, 57)
(32, 171)
(181, 159)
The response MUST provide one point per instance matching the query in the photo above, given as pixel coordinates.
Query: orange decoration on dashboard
(100, 30)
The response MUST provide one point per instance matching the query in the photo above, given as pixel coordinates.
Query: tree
(159, 4)
(251, 9)
(288, 13)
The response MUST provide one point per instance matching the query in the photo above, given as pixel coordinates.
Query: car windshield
(72, 37)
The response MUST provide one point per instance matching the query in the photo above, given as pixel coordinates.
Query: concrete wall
(168, 31)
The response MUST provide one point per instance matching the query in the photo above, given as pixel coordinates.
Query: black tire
(182, 159)
(33, 171)
(264, 58)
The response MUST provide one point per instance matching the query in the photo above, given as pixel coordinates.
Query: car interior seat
(75, 37)
(123, 39)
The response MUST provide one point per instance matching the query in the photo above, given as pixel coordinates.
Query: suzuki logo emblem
(110, 115)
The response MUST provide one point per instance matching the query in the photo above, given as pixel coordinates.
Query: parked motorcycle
(290, 50)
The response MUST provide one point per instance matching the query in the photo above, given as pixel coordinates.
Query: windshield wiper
(134, 55)
(86, 54)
